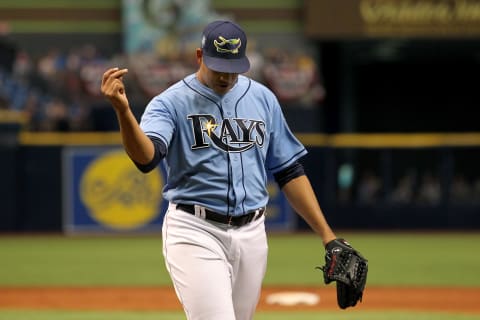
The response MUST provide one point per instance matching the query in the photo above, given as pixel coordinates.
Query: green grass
(338, 315)
(83, 261)
(398, 259)
(405, 259)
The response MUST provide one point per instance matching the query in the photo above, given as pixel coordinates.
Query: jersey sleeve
(284, 148)
(158, 121)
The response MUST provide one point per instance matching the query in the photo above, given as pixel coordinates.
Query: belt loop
(199, 211)
(259, 212)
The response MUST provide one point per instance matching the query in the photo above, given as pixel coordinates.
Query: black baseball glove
(348, 268)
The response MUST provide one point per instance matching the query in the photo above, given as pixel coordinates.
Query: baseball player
(219, 134)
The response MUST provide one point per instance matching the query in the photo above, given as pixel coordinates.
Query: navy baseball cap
(224, 45)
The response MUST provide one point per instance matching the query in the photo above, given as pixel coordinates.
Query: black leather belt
(237, 221)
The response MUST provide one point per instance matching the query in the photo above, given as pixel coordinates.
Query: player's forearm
(303, 200)
(137, 145)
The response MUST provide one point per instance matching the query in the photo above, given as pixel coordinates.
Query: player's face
(220, 82)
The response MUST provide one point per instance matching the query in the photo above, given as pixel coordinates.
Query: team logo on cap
(227, 45)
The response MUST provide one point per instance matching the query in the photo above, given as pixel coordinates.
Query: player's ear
(199, 53)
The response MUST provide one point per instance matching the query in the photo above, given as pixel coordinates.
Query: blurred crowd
(60, 91)
(412, 188)
(50, 90)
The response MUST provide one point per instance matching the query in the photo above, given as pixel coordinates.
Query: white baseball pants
(217, 270)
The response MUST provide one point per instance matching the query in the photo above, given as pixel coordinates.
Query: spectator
(8, 49)
(56, 116)
(476, 191)
(430, 191)
(4, 103)
(403, 192)
(294, 78)
(369, 187)
(460, 191)
(257, 61)
(23, 67)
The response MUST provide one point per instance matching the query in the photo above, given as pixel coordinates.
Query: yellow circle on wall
(118, 195)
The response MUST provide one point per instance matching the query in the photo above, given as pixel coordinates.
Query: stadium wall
(33, 181)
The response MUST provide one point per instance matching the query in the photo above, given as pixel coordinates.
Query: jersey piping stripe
(241, 155)
(203, 95)
(229, 182)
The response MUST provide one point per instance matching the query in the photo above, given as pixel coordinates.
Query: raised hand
(113, 89)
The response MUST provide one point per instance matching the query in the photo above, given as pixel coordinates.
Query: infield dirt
(459, 300)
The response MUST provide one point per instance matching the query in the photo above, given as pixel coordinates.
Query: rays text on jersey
(231, 135)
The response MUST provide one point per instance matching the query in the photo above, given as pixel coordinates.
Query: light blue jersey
(220, 147)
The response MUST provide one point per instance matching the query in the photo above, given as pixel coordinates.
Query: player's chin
(222, 89)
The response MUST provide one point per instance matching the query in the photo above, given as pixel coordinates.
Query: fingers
(107, 75)
(113, 73)
(112, 81)
(119, 73)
